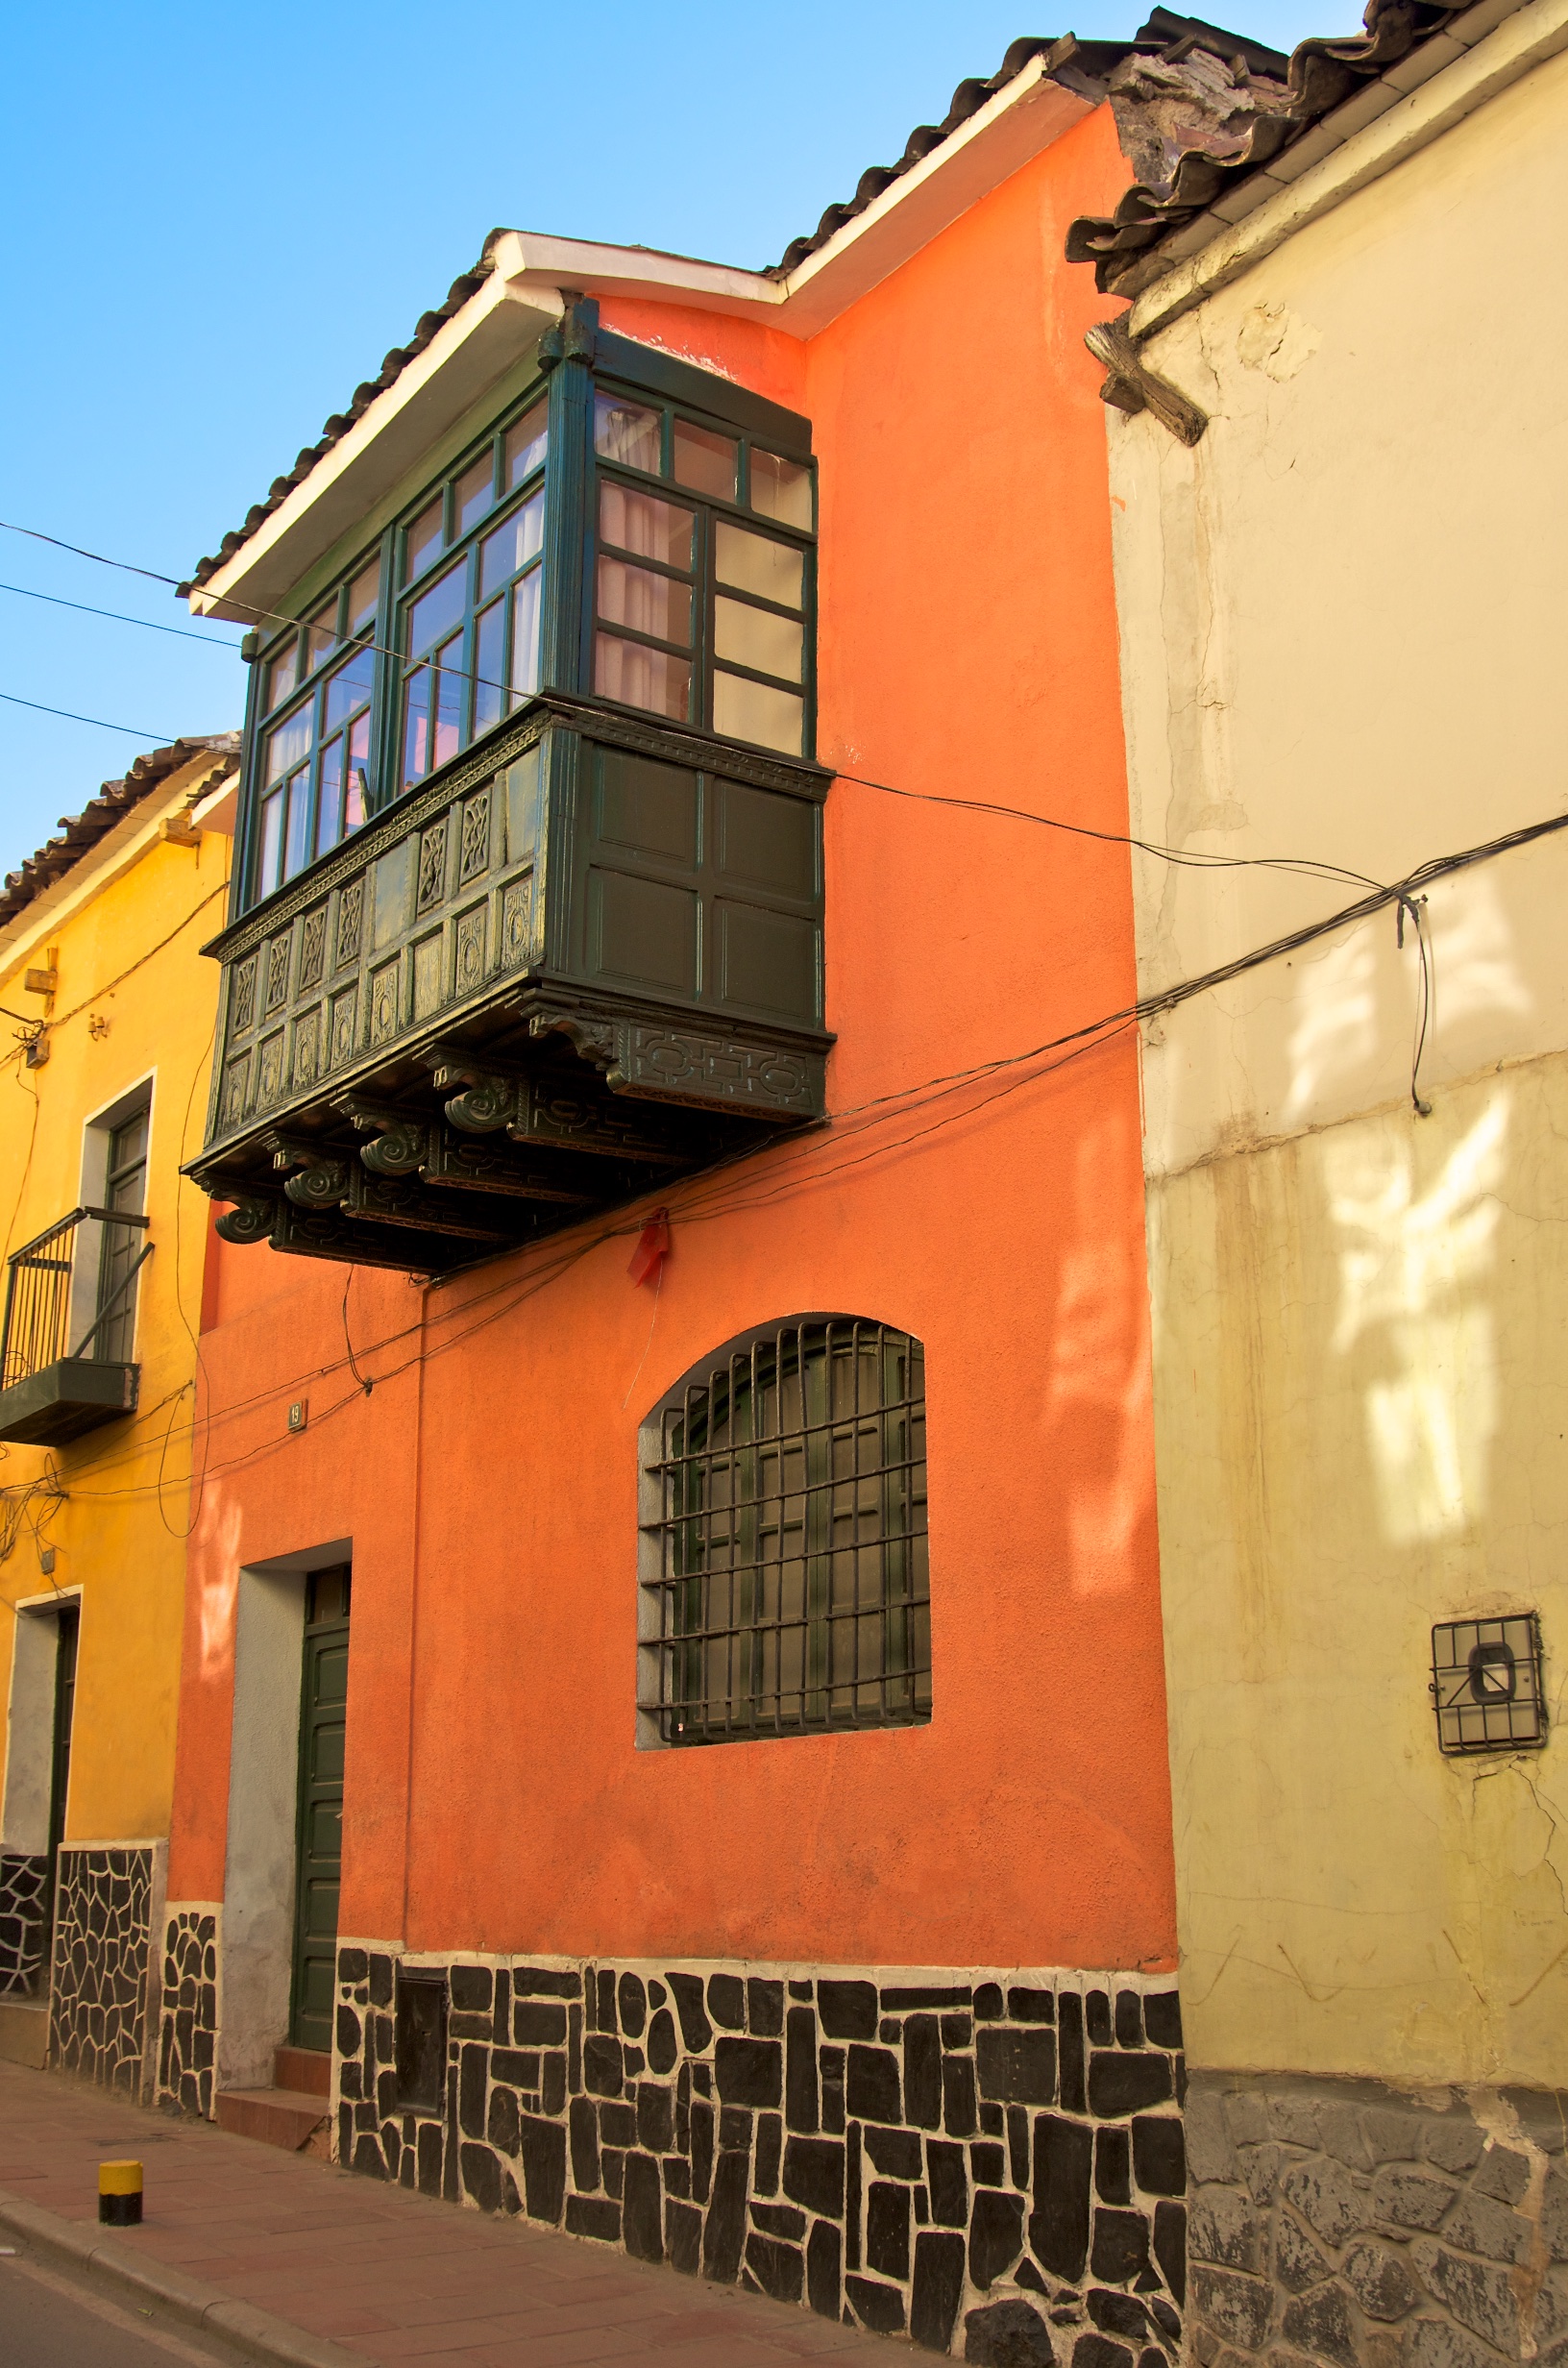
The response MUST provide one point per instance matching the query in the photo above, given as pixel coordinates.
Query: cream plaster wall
(1343, 620)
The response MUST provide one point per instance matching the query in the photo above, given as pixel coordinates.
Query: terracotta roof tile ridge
(1198, 115)
(81, 832)
(1082, 67)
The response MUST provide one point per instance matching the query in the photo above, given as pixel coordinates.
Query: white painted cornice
(521, 296)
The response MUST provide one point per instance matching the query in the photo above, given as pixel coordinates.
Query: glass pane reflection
(645, 525)
(524, 447)
(755, 712)
(705, 460)
(649, 604)
(525, 635)
(436, 612)
(641, 677)
(425, 539)
(627, 432)
(756, 563)
(475, 492)
(756, 637)
(782, 489)
(512, 545)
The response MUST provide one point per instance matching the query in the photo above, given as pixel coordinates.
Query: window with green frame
(785, 1567)
(697, 526)
(469, 606)
(314, 771)
(703, 589)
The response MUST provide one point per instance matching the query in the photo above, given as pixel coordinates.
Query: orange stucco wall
(495, 1800)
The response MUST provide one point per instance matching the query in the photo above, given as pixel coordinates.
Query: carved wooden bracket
(250, 1220)
(1133, 388)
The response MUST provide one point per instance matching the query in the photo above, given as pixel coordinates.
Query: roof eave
(523, 296)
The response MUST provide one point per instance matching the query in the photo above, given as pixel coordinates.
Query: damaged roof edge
(81, 832)
(1082, 67)
(1209, 121)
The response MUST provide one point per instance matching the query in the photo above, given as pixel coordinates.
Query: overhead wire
(118, 616)
(693, 1200)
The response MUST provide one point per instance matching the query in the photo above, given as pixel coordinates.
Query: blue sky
(220, 220)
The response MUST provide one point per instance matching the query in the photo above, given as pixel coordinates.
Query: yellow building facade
(103, 1091)
(1340, 514)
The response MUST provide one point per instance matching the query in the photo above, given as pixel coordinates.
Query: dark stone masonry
(993, 2167)
(24, 1892)
(98, 1987)
(1365, 2226)
(187, 2041)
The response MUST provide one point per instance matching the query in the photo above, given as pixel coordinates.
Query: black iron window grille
(44, 1320)
(789, 1587)
(1486, 1684)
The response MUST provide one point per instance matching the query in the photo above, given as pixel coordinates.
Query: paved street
(49, 2322)
(388, 2275)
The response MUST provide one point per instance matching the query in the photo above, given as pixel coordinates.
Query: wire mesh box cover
(1486, 1684)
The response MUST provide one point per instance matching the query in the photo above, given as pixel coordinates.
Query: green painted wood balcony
(583, 959)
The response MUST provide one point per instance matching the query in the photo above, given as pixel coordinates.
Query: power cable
(118, 616)
(133, 731)
(689, 1205)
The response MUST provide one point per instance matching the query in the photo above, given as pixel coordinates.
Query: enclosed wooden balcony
(583, 959)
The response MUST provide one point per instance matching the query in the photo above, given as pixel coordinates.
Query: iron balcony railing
(69, 1293)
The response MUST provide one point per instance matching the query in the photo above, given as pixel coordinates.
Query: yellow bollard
(119, 2194)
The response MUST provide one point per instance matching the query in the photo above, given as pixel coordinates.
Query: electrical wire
(132, 731)
(698, 1200)
(118, 616)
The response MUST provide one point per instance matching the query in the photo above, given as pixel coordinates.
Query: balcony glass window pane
(321, 637)
(416, 726)
(354, 805)
(272, 843)
(489, 658)
(755, 712)
(641, 677)
(350, 688)
(363, 594)
(756, 637)
(705, 460)
(525, 635)
(330, 798)
(627, 432)
(289, 742)
(297, 843)
(425, 537)
(476, 491)
(449, 698)
(433, 616)
(281, 675)
(645, 525)
(782, 489)
(524, 450)
(649, 604)
(511, 546)
(756, 563)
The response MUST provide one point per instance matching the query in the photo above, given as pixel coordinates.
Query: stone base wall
(1365, 2226)
(187, 2041)
(992, 2164)
(24, 1896)
(98, 1991)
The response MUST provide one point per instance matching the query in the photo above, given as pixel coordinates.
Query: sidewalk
(385, 2275)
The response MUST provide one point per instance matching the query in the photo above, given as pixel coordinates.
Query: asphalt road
(47, 2322)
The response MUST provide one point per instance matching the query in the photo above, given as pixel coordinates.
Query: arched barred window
(785, 1585)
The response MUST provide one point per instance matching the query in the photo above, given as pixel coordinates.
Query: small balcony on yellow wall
(66, 1350)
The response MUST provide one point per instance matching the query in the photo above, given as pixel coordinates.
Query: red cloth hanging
(651, 1250)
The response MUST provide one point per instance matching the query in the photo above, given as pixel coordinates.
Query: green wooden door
(324, 1694)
